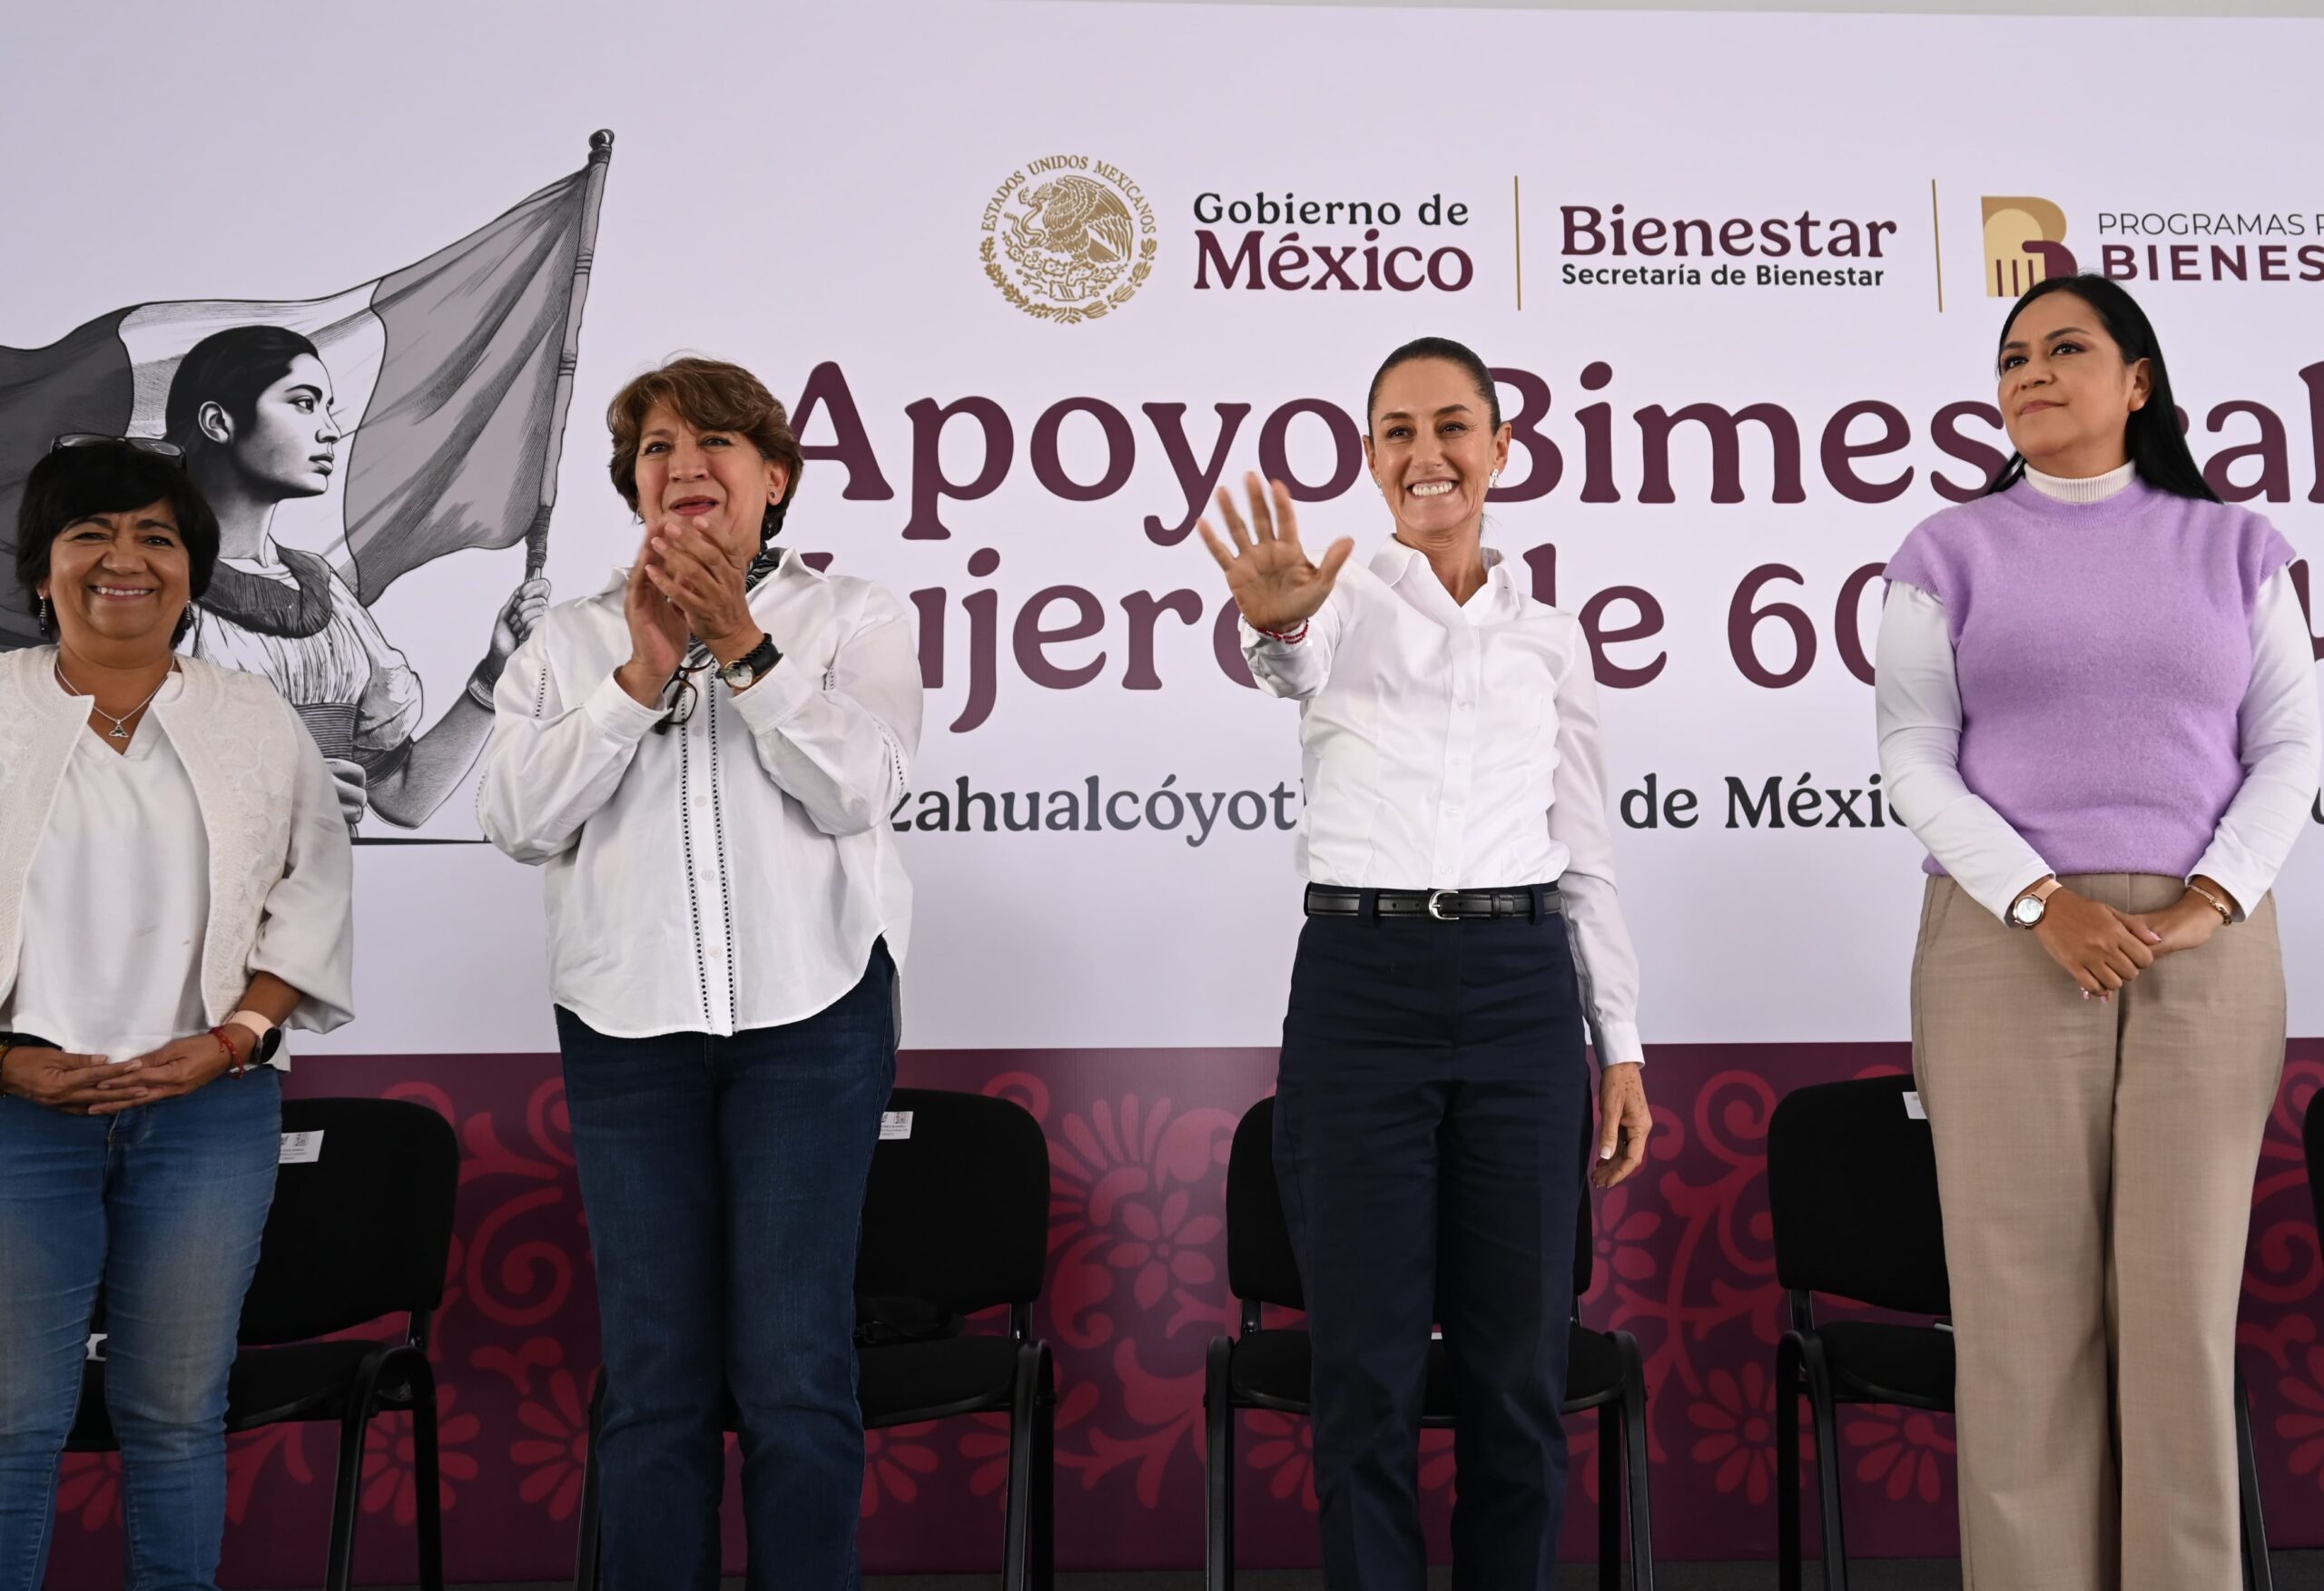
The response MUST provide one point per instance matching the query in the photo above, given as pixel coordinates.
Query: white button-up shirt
(1456, 746)
(732, 871)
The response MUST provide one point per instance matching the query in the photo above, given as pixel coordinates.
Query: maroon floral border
(1138, 1145)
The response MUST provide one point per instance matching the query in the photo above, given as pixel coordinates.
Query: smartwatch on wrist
(2028, 909)
(754, 664)
(266, 1037)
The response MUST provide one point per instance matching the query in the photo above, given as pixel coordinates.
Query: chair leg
(1635, 1465)
(1041, 1532)
(426, 1473)
(1610, 1497)
(2257, 1575)
(1788, 1393)
(586, 1565)
(354, 1427)
(1016, 1550)
(1218, 1466)
(1827, 1468)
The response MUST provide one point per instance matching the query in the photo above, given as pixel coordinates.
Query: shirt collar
(1395, 560)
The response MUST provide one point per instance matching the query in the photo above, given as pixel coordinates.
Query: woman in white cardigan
(174, 882)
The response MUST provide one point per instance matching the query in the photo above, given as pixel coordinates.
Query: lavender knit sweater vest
(2103, 651)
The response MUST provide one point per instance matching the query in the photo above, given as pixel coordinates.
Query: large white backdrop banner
(1036, 274)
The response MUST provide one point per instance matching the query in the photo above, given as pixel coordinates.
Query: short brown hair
(710, 395)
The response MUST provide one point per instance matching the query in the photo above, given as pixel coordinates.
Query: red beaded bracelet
(1287, 637)
(235, 1065)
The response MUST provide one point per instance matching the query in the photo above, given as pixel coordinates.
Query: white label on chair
(894, 1123)
(298, 1148)
(1913, 1108)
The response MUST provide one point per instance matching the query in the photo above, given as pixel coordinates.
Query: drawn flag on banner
(448, 382)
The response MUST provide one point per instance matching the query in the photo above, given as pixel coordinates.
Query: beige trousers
(2095, 1160)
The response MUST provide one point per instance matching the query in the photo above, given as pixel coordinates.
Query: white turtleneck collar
(2094, 488)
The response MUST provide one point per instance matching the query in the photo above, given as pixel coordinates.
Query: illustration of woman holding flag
(251, 407)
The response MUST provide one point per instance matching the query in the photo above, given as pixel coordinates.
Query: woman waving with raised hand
(1432, 1110)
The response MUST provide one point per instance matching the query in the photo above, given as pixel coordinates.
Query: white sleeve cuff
(1253, 637)
(2244, 891)
(618, 716)
(776, 699)
(1619, 1045)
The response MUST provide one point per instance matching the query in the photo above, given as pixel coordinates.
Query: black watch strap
(759, 661)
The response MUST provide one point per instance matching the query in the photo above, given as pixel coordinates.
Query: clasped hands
(98, 1086)
(687, 585)
(2103, 948)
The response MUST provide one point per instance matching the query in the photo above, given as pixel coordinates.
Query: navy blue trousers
(1433, 1124)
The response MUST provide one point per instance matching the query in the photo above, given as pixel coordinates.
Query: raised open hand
(1268, 570)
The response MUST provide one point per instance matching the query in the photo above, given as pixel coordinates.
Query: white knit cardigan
(240, 744)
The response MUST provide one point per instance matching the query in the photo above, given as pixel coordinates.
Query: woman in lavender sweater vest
(2097, 705)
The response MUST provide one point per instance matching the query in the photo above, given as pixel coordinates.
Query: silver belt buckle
(1434, 897)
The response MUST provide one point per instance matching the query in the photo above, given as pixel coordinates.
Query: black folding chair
(1852, 1189)
(2311, 1133)
(362, 1230)
(955, 1218)
(1268, 1368)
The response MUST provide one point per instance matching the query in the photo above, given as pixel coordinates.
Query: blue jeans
(165, 1205)
(724, 1180)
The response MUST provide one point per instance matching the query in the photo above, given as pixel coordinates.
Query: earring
(1493, 479)
(47, 618)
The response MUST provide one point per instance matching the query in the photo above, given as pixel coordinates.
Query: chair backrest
(957, 1212)
(1852, 1187)
(1260, 1265)
(361, 1230)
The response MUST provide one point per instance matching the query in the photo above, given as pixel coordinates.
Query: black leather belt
(1442, 905)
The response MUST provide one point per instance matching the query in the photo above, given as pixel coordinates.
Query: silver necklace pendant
(120, 729)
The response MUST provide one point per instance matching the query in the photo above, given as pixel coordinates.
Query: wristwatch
(754, 664)
(266, 1037)
(2028, 909)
